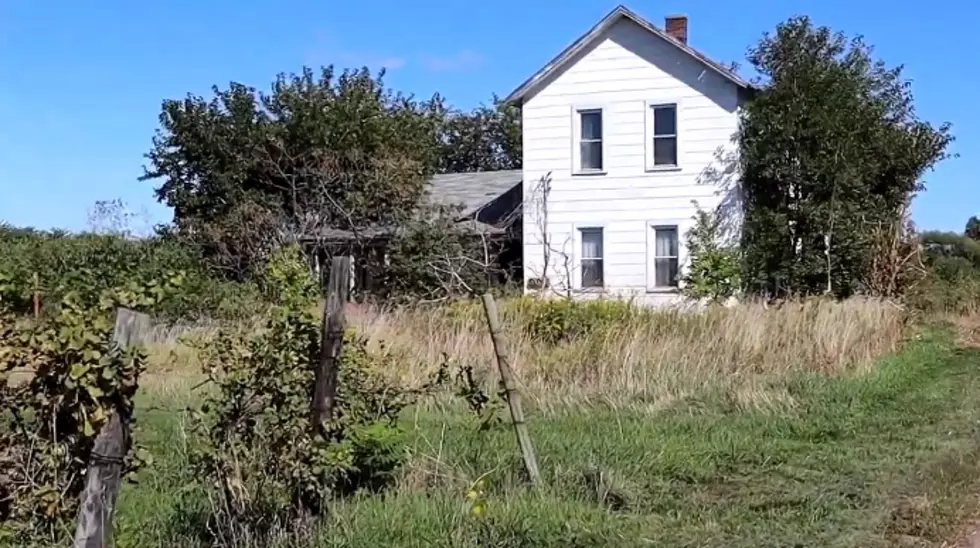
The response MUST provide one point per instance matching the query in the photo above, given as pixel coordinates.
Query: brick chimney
(676, 27)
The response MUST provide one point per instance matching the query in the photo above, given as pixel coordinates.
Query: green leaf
(78, 371)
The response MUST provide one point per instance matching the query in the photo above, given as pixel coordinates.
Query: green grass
(855, 461)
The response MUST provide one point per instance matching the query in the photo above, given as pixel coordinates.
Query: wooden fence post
(513, 396)
(338, 293)
(94, 524)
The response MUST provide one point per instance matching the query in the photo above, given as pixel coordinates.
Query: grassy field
(815, 424)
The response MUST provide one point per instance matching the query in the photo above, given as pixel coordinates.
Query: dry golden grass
(657, 357)
(654, 358)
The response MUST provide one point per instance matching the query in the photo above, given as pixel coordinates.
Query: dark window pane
(665, 151)
(591, 272)
(591, 125)
(665, 272)
(665, 120)
(666, 241)
(591, 155)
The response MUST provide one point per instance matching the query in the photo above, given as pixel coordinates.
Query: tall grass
(653, 357)
(567, 353)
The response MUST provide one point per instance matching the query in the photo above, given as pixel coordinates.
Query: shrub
(265, 465)
(715, 268)
(952, 279)
(285, 279)
(48, 422)
(432, 256)
(553, 321)
(88, 264)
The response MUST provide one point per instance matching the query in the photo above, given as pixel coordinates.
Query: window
(590, 140)
(665, 256)
(591, 261)
(664, 135)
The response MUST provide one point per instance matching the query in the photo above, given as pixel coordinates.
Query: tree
(831, 149)
(317, 151)
(488, 138)
(973, 228)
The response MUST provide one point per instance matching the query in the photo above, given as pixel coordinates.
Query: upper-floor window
(590, 140)
(663, 138)
(591, 261)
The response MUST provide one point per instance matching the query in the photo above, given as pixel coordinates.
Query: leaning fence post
(332, 339)
(98, 501)
(513, 395)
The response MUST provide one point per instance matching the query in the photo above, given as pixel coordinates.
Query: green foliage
(434, 257)
(715, 268)
(319, 150)
(830, 148)
(286, 279)
(60, 381)
(89, 264)
(558, 320)
(972, 230)
(488, 138)
(952, 247)
(259, 454)
(952, 280)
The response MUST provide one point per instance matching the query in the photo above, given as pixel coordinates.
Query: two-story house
(623, 132)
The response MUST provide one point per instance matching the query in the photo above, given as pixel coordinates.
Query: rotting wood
(332, 340)
(93, 528)
(513, 395)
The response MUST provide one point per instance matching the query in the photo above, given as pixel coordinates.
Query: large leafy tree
(832, 151)
(488, 138)
(245, 169)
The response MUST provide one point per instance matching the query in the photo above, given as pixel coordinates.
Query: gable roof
(587, 39)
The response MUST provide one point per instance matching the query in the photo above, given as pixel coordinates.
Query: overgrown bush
(556, 320)
(88, 264)
(951, 283)
(285, 279)
(265, 464)
(433, 257)
(60, 381)
(715, 268)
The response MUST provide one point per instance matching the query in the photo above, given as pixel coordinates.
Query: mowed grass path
(875, 460)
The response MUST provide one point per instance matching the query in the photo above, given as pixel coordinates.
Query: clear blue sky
(81, 82)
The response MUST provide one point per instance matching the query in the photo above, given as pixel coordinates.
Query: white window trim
(682, 226)
(648, 134)
(577, 138)
(576, 258)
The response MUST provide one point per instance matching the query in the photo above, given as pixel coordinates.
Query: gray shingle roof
(473, 190)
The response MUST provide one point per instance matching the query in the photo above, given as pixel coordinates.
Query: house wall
(624, 72)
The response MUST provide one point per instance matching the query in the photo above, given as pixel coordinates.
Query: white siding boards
(666, 118)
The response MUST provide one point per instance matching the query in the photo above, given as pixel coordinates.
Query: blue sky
(81, 82)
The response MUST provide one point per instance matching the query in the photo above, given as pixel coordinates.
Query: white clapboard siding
(627, 69)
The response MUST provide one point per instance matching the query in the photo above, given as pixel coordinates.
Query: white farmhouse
(623, 131)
